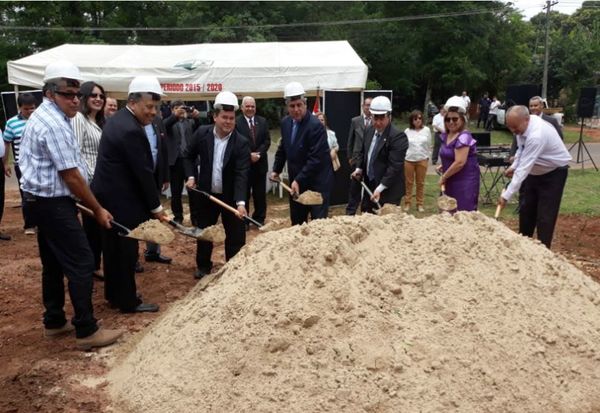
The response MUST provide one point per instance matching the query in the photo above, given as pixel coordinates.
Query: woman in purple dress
(459, 157)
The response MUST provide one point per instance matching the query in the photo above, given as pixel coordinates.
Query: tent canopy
(200, 71)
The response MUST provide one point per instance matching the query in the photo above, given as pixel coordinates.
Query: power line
(257, 26)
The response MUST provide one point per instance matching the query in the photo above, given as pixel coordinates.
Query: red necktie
(252, 130)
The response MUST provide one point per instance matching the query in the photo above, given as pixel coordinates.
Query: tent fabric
(200, 71)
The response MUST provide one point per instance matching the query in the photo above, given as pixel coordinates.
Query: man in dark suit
(355, 142)
(382, 158)
(126, 183)
(304, 147)
(536, 107)
(224, 156)
(257, 130)
(180, 126)
(156, 134)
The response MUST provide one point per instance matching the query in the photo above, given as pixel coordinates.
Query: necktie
(367, 122)
(294, 131)
(370, 172)
(252, 130)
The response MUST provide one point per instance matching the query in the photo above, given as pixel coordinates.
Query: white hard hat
(456, 102)
(145, 84)
(62, 69)
(226, 98)
(293, 89)
(380, 105)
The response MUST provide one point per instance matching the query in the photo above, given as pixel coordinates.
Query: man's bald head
(517, 119)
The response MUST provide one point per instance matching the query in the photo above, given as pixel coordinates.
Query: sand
(390, 209)
(447, 203)
(215, 233)
(310, 198)
(376, 314)
(154, 231)
(275, 224)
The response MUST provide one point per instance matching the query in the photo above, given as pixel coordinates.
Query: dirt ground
(49, 375)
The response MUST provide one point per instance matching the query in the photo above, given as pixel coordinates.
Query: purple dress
(464, 185)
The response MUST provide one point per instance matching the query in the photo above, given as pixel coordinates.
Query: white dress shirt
(220, 144)
(539, 151)
(438, 123)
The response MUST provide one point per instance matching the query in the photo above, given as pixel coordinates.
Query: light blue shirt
(48, 146)
(13, 132)
(220, 144)
(153, 140)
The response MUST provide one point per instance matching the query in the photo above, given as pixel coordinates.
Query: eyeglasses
(452, 119)
(97, 95)
(69, 95)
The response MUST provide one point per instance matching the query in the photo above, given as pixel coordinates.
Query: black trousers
(26, 223)
(354, 192)
(64, 251)
(207, 214)
(93, 232)
(539, 203)
(483, 117)
(299, 212)
(177, 179)
(437, 143)
(120, 256)
(257, 187)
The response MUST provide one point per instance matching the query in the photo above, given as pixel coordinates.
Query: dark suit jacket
(176, 142)
(161, 174)
(388, 164)
(308, 159)
(236, 163)
(263, 139)
(124, 180)
(356, 138)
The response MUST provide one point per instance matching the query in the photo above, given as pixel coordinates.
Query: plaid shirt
(13, 132)
(48, 146)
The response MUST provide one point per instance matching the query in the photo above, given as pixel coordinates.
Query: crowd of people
(78, 148)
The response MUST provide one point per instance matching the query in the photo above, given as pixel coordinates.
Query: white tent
(200, 71)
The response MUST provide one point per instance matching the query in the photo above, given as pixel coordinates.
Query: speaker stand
(580, 147)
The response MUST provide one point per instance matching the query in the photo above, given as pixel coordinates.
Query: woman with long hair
(417, 158)
(87, 125)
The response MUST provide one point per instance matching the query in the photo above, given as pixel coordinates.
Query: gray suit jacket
(355, 139)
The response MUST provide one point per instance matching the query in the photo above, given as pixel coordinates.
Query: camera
(189, 109)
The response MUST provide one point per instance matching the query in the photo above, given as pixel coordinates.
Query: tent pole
(17, 95)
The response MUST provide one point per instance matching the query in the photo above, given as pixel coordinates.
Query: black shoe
(158, 258)
(198, 274)
(179, 220)
(138, 267)
(143, 308)
(4, 237)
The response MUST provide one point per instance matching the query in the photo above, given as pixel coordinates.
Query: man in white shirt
(467, 100)
(539, 172)
(438, 128)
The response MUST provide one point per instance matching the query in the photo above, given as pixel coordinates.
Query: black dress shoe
(178, 220)
(138, 267)
(4, 237)
(158, 258)
(143, 308)
(199, 273)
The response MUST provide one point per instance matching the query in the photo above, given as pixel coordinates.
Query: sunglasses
(379, 116)
(97, 95)
(452, 119)
(69, 95)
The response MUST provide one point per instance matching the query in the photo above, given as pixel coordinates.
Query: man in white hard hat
(53, 176)
(125, 182)
(304, 147)
(382, 158)
(224, 156)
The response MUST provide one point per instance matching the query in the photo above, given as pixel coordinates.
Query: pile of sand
(310, 198)
(377, 314)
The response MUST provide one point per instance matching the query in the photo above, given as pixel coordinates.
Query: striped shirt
(13, 132)
(88, 136)
(48, 146)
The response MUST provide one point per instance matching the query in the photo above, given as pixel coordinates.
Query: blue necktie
(370, 172)
(294, 131)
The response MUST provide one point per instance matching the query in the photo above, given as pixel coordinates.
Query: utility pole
(549, 4)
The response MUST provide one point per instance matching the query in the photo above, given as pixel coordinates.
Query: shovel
(446, 203)
(227, 207)
(124, 231)
(305, 198)
(368, 191)
(192, 232)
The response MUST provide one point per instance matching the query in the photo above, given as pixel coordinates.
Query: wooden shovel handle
(223, 204)
(498, 209)
(443, 188)
(85, 209)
